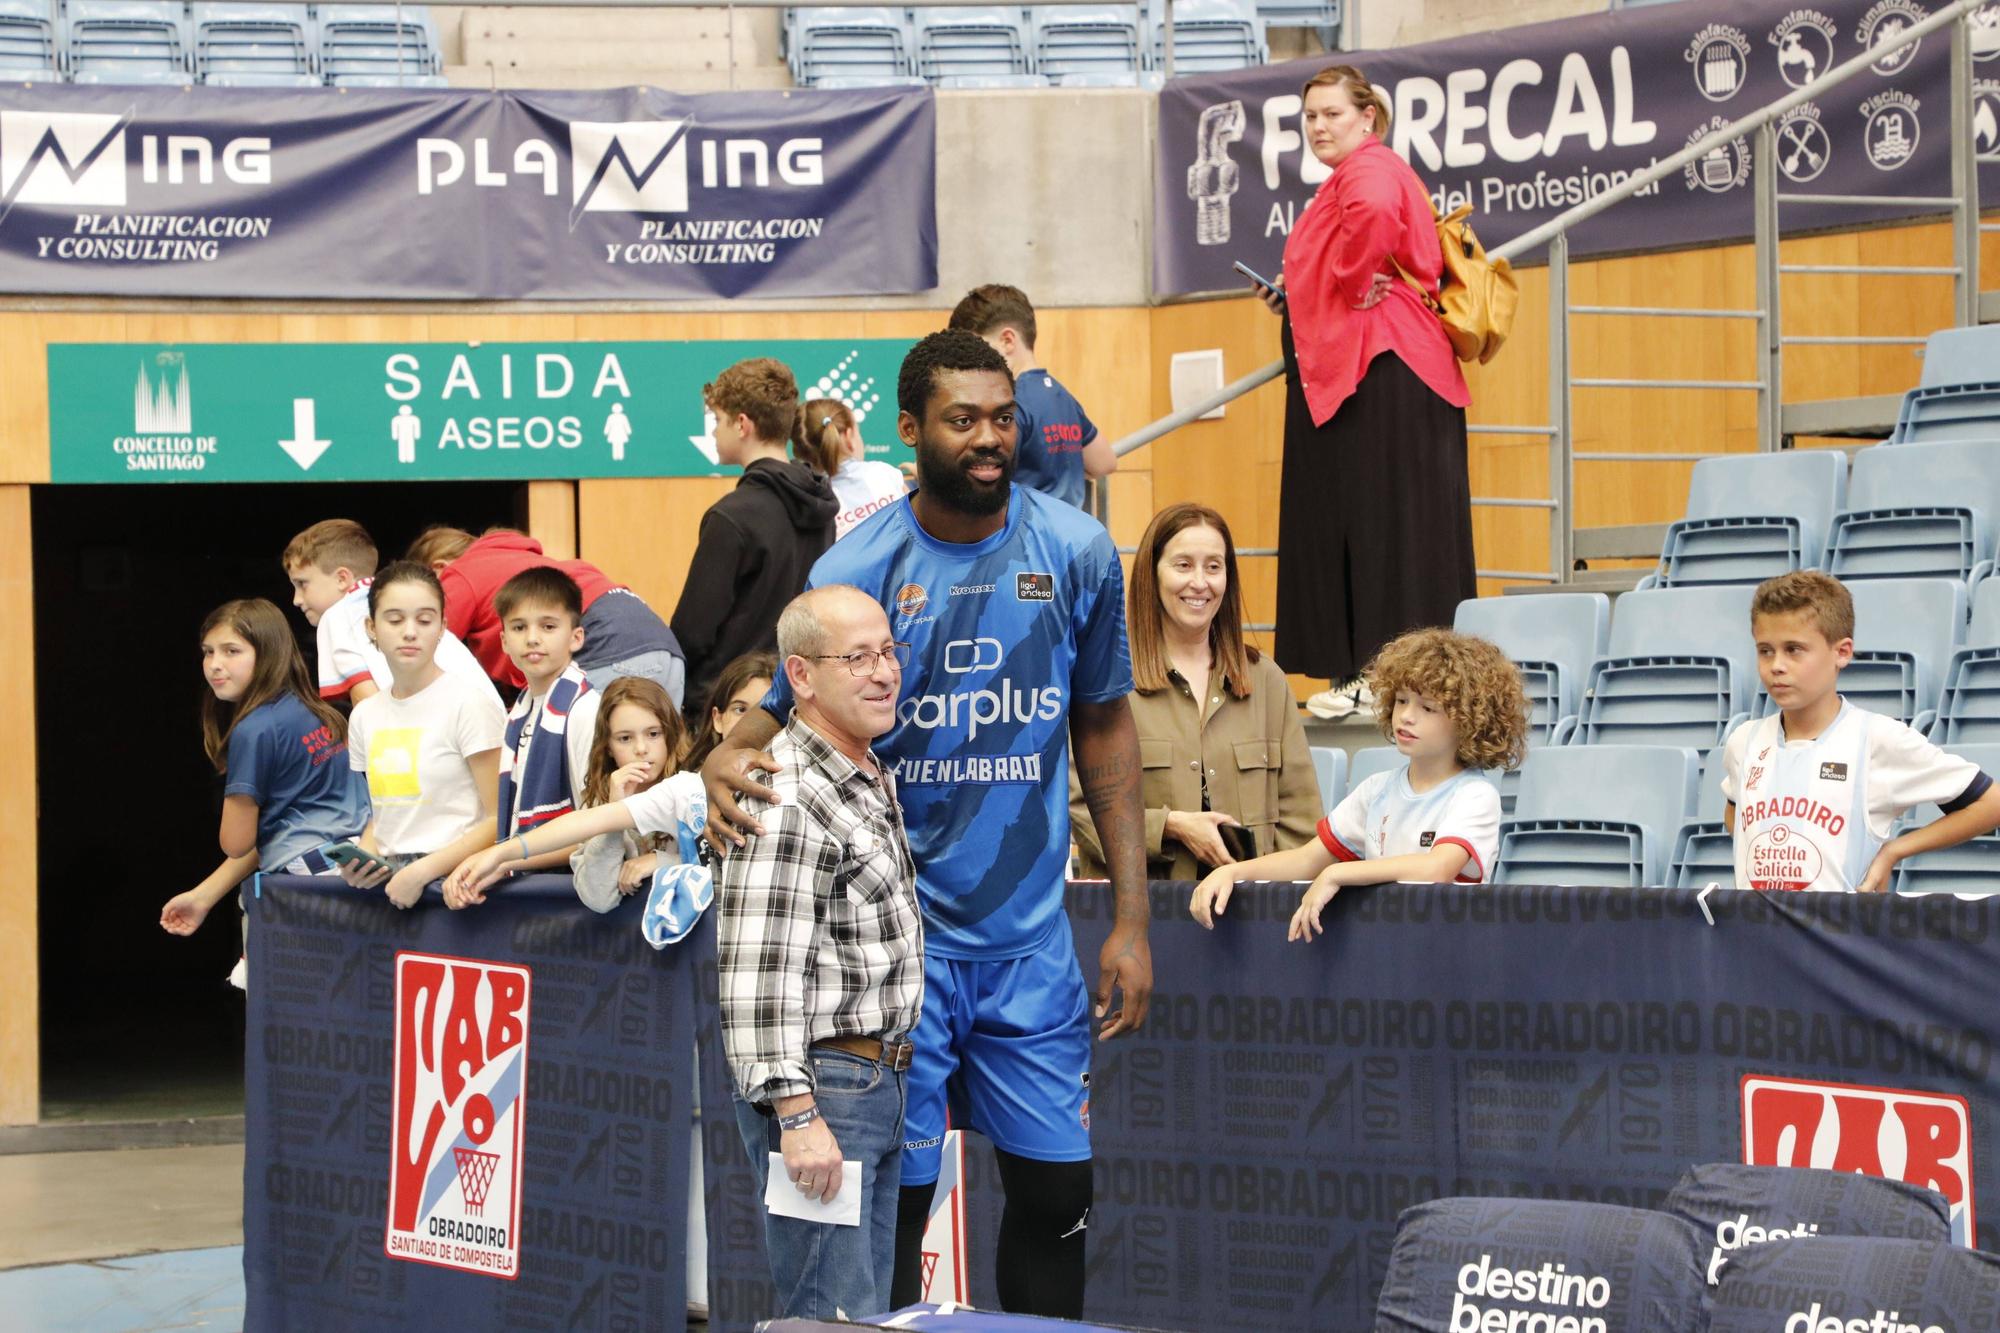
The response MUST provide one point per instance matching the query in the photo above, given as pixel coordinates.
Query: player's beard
(944, 479)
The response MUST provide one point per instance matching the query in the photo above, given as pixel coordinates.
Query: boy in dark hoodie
(757, 542)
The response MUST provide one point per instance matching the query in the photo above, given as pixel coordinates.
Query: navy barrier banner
(1527, 122)
(471, 1119)
(631, 194)
(1284, 1103)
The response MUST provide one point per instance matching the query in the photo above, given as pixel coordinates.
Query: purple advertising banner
(630, 194)
(1525, 123)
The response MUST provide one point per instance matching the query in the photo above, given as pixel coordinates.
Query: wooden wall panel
(20, 1009)
(552, 517)
(643, 532)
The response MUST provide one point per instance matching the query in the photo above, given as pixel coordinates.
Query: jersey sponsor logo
(911, 598)
(971, 589)
(1833, 772)
(966, 655)
(1780, 858)
(1003, 705)
(985, 770)
(1034, 587)
(1428, 837)
(1756, 771)
(1801, 808)
(459, 1105)
(1922, 1138)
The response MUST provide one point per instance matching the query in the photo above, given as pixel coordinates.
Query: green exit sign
(147, 412)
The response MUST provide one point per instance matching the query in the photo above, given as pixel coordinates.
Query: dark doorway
(138, 1024)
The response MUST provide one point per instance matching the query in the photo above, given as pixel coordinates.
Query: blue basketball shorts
(1002, 1047)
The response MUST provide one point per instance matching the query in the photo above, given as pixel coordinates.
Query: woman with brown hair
(1220, 743)
(1375, 510)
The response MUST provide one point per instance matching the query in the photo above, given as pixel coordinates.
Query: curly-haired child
(1453, 704)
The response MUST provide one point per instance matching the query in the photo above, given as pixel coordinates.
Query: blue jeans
(659, 666)
(822, 1271)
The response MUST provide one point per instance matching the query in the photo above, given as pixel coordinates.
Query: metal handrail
(1554, 233)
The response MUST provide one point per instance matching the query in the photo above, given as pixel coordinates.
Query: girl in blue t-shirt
(282, 751)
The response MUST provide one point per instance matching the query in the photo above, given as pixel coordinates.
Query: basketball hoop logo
(460, 1072)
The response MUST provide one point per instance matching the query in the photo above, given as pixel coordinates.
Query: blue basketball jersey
(1053, 433)
(1005, 635)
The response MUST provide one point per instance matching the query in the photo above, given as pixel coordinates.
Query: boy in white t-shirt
(1452, 704)
(330, 566)
(545, 758)
(1815, 788)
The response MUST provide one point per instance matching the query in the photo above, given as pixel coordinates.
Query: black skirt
(1374, 519)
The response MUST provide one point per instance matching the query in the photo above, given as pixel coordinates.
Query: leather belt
(895, 1054)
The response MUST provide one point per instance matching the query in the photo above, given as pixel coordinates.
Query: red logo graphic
(1777, 860)
(461, 1063)
(1924, 1138)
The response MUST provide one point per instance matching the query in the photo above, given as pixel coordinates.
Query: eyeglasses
(863, 662)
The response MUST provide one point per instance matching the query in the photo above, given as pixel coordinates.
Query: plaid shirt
(817, 921)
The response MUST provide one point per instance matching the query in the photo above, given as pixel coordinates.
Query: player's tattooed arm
(1106, 743)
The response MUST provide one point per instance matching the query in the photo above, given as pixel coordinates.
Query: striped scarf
(533, 793)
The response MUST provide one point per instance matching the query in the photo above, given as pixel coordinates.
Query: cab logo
(1923, 1138)
(461, 1057)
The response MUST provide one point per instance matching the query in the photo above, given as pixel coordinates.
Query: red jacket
(471, 580)
(1372, 209)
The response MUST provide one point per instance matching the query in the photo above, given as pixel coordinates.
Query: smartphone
(347, 854)
(1238, 841)
(1260, 280)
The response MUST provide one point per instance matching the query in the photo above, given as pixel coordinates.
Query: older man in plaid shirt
(822, 958)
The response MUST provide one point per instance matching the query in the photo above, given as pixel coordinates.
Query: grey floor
(118, 1241)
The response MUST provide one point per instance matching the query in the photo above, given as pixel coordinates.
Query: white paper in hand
(782, 1196)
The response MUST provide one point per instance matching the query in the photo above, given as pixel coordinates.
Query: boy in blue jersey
(1014, 606)
(1059, 449)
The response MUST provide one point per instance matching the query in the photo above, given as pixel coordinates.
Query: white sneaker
(1340, 701)
(1364, 698)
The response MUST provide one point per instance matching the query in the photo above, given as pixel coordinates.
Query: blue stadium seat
(1366, 763)
(1905, 631)
(376, 46)
(1210, 35)
(835, 81)
(1704, 852)
(254, 45)
(1597, 814)
(1552, 639)
(872, 43)
(991, 81)
(1970, 867)
(127, 41)
(1923, 511)
(1088, 42)
(1750, 516)
(1958, 397)
(29, 46)
(1969, 708)
(1321, 14)
(1330, 767)
(1679, 670)
(957, 42)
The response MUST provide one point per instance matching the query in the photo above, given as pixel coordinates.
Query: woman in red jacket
(1375, 515)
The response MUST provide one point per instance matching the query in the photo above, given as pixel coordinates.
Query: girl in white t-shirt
(430, 744)
(1453, 704)
(827, 437)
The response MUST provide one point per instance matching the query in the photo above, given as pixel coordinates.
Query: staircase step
(1872, 417)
